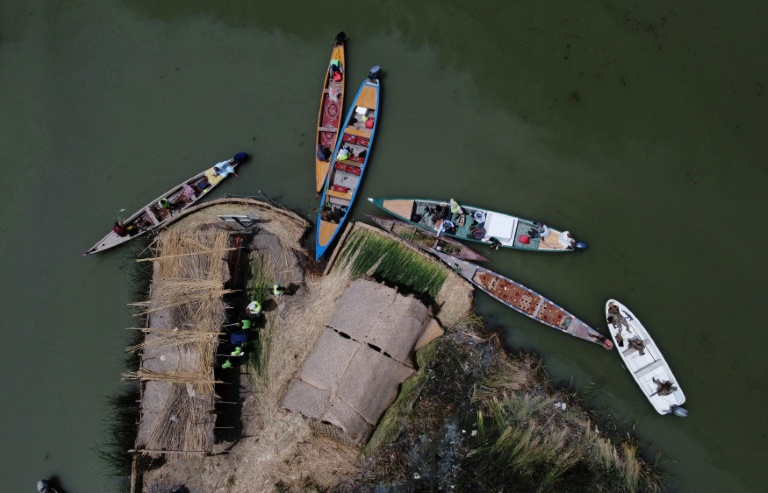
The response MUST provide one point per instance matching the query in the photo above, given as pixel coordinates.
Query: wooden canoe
(524, 300)
(648, 368)
(345, 175)
(153, 216)
(480, 225)
(329, 116)
(427, 240)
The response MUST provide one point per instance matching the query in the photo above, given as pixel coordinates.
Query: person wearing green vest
(253, 308)
(164, 203)
(456, 208)
(237, 352)
(227, 364)
(245, 324)
(278, 290)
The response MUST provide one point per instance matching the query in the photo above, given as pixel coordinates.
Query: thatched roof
(357, 365)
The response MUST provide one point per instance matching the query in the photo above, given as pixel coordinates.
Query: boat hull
(329, 115)
(426, 240)
(346, 173)
(646, 367)
(477, 224)
(524, 300)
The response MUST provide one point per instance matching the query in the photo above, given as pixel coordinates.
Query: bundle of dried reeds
(185, 423)
(165, 338)
(179, 377)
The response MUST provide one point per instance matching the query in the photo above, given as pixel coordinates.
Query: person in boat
(344, 154)
(123, 230)
(226, 168)
(446, 227)
(664, 388)
(495, 243)
(456, 208)
(635, 343)
(201, 185)
(331, 214)
(227, 364)
(616, 319)
(335, 70)
(540, 231)
(477, 233)
(566, 240)
(323, 153)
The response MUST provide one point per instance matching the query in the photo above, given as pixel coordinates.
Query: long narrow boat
(349, 160)
(426, 240)
(329, 116)
(154, 214)
(524, 300)
(644, 360)
(481, 225)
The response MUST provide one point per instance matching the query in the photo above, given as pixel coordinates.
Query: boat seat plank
(328, 129)
(341, 195)
(367, 98)
(649, 368)
(360, 132)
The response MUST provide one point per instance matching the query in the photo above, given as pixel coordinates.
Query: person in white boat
(664, 388)
(566, 240)
(541, 231)
(616, 319)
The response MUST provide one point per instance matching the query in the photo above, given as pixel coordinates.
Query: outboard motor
(241, 157)
(340, 37)
(678, 411)
(375, 73)
(580, 246)
(43, 487)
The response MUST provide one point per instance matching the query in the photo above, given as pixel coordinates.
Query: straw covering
(356, 366)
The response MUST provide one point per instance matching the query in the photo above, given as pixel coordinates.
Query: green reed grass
(122, 427)
(548, 448)
(369, 253)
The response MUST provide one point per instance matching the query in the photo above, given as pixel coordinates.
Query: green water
(639, 127)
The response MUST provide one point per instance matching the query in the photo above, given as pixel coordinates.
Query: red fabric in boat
(331, 115)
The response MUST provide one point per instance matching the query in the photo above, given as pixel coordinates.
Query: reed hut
(355, 368)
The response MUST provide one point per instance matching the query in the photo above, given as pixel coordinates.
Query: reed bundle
(204, 384)
(183, 423)
(166, 338)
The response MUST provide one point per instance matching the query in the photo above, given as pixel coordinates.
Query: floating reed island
(372, 373)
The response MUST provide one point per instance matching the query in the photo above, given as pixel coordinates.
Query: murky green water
(637, 126)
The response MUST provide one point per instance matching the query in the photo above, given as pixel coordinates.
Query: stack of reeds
(186, 311)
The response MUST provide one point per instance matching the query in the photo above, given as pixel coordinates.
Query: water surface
(638, 127)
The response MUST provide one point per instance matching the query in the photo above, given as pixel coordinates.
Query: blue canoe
(349, 160)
